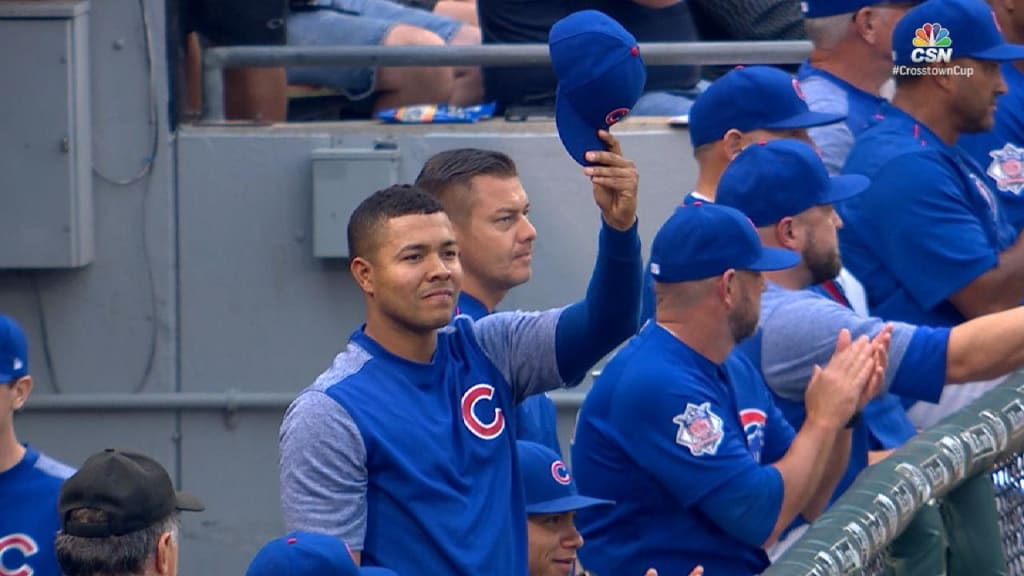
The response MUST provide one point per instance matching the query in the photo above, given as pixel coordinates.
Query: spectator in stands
(1001, 150)
(489, 210)
(29, 481)
(119, 517)
(851, 60)
(746, 20)
(384, 23)
(798, 325)
(308, 554)
(670, 90)
(683, 434)
(748, 104)
(401, 448)
(258, 94)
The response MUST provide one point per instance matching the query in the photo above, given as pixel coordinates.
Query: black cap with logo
(133, 489)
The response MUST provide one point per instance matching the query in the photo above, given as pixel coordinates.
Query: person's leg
(972, 525)
(406, 86)
(461, 10)
(921, 549)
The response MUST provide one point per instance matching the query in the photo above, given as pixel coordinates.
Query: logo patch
(700, 429)
(18, 364)
(616, 116)
(1007, 168)
(798, 90)
(753, 421)
(560, 472)
(22, 543)
(931, 44)
(486, 429)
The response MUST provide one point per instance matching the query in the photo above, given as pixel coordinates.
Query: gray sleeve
(833, 140)
(522, 346)
(322, 466)
(802, 332)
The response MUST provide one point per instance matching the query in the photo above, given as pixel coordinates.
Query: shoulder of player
(53, 468)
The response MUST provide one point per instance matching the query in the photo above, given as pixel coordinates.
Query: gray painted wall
(237, 302)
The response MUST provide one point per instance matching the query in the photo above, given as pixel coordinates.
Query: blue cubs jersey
(1000, 151)
(915, 241)
(683, 446)
(536, 417)
(29, 520)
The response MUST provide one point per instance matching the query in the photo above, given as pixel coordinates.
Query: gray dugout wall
(195, 287)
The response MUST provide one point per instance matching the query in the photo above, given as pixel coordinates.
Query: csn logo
(932, 45)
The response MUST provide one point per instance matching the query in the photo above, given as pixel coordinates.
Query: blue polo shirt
(828, 93)
(925, 228)
(683, 446)
(1000, 151)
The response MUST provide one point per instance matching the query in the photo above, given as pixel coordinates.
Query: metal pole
(213, 91)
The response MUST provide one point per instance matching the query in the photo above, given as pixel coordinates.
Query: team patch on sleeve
(1007, 168)
(700, 429)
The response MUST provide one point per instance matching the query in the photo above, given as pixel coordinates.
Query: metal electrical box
(342, 178)
(46, 202)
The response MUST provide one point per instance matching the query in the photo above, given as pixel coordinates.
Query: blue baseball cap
(750, 98)
(769, 181)
(940, 30)
(600, 77)
(13, 350)
(824, 8)
(703, 240)
(308, 554)
(550, 488)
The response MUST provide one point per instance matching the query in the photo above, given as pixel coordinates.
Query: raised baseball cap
(751, 98)
(550, 488)
(703, 240)
(824, 8)
(308, 554)
(937, 31)
(133, 489)
(601, 75)
(13, 350)
(769, 181)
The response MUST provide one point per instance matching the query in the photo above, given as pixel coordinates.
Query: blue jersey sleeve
(610, 312)
(648, 308)
(922, 374)
(926, 233)
(686, 438)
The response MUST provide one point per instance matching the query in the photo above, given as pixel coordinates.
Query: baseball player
(308, 554)
(29, 481)
(402, 448)
(1001, 150)
(683, 434)
(798, 323)
(747, 104)
(944, 251)
(488, 207)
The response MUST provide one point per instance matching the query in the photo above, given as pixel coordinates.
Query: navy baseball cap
(823, 8)
(750, 98)
(308, 554)
(940, 30)
(13, 351)
(769, 181)
(550, 488)
(703, 240)
(600, 77)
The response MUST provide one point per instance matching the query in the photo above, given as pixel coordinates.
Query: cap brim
(846, 186)
(775, 259)
(188, 502)
(577, 137)
(566, 504)
(808, 119)
(1001, 53)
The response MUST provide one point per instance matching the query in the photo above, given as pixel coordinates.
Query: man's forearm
(802, 469)
(838, 461)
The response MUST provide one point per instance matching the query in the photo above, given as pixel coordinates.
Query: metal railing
(215, 60)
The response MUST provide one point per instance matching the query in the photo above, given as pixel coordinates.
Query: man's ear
(22, 390)
(166, 555)
(728, 290)
(786, 234)
(733, 143)
(362, 271)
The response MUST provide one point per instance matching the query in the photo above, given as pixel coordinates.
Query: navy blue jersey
(28, 515)
(915, 241)
(684, 447)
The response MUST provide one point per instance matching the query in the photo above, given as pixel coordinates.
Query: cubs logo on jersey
(753, 422)
(700, 429)
(15, 550)
(479, 413)
(1007, 168)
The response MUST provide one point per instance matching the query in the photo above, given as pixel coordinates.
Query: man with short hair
(402, 448)
(683, 434)
(29, 480)
(489, 210)
(119, 517)
(785, 188)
